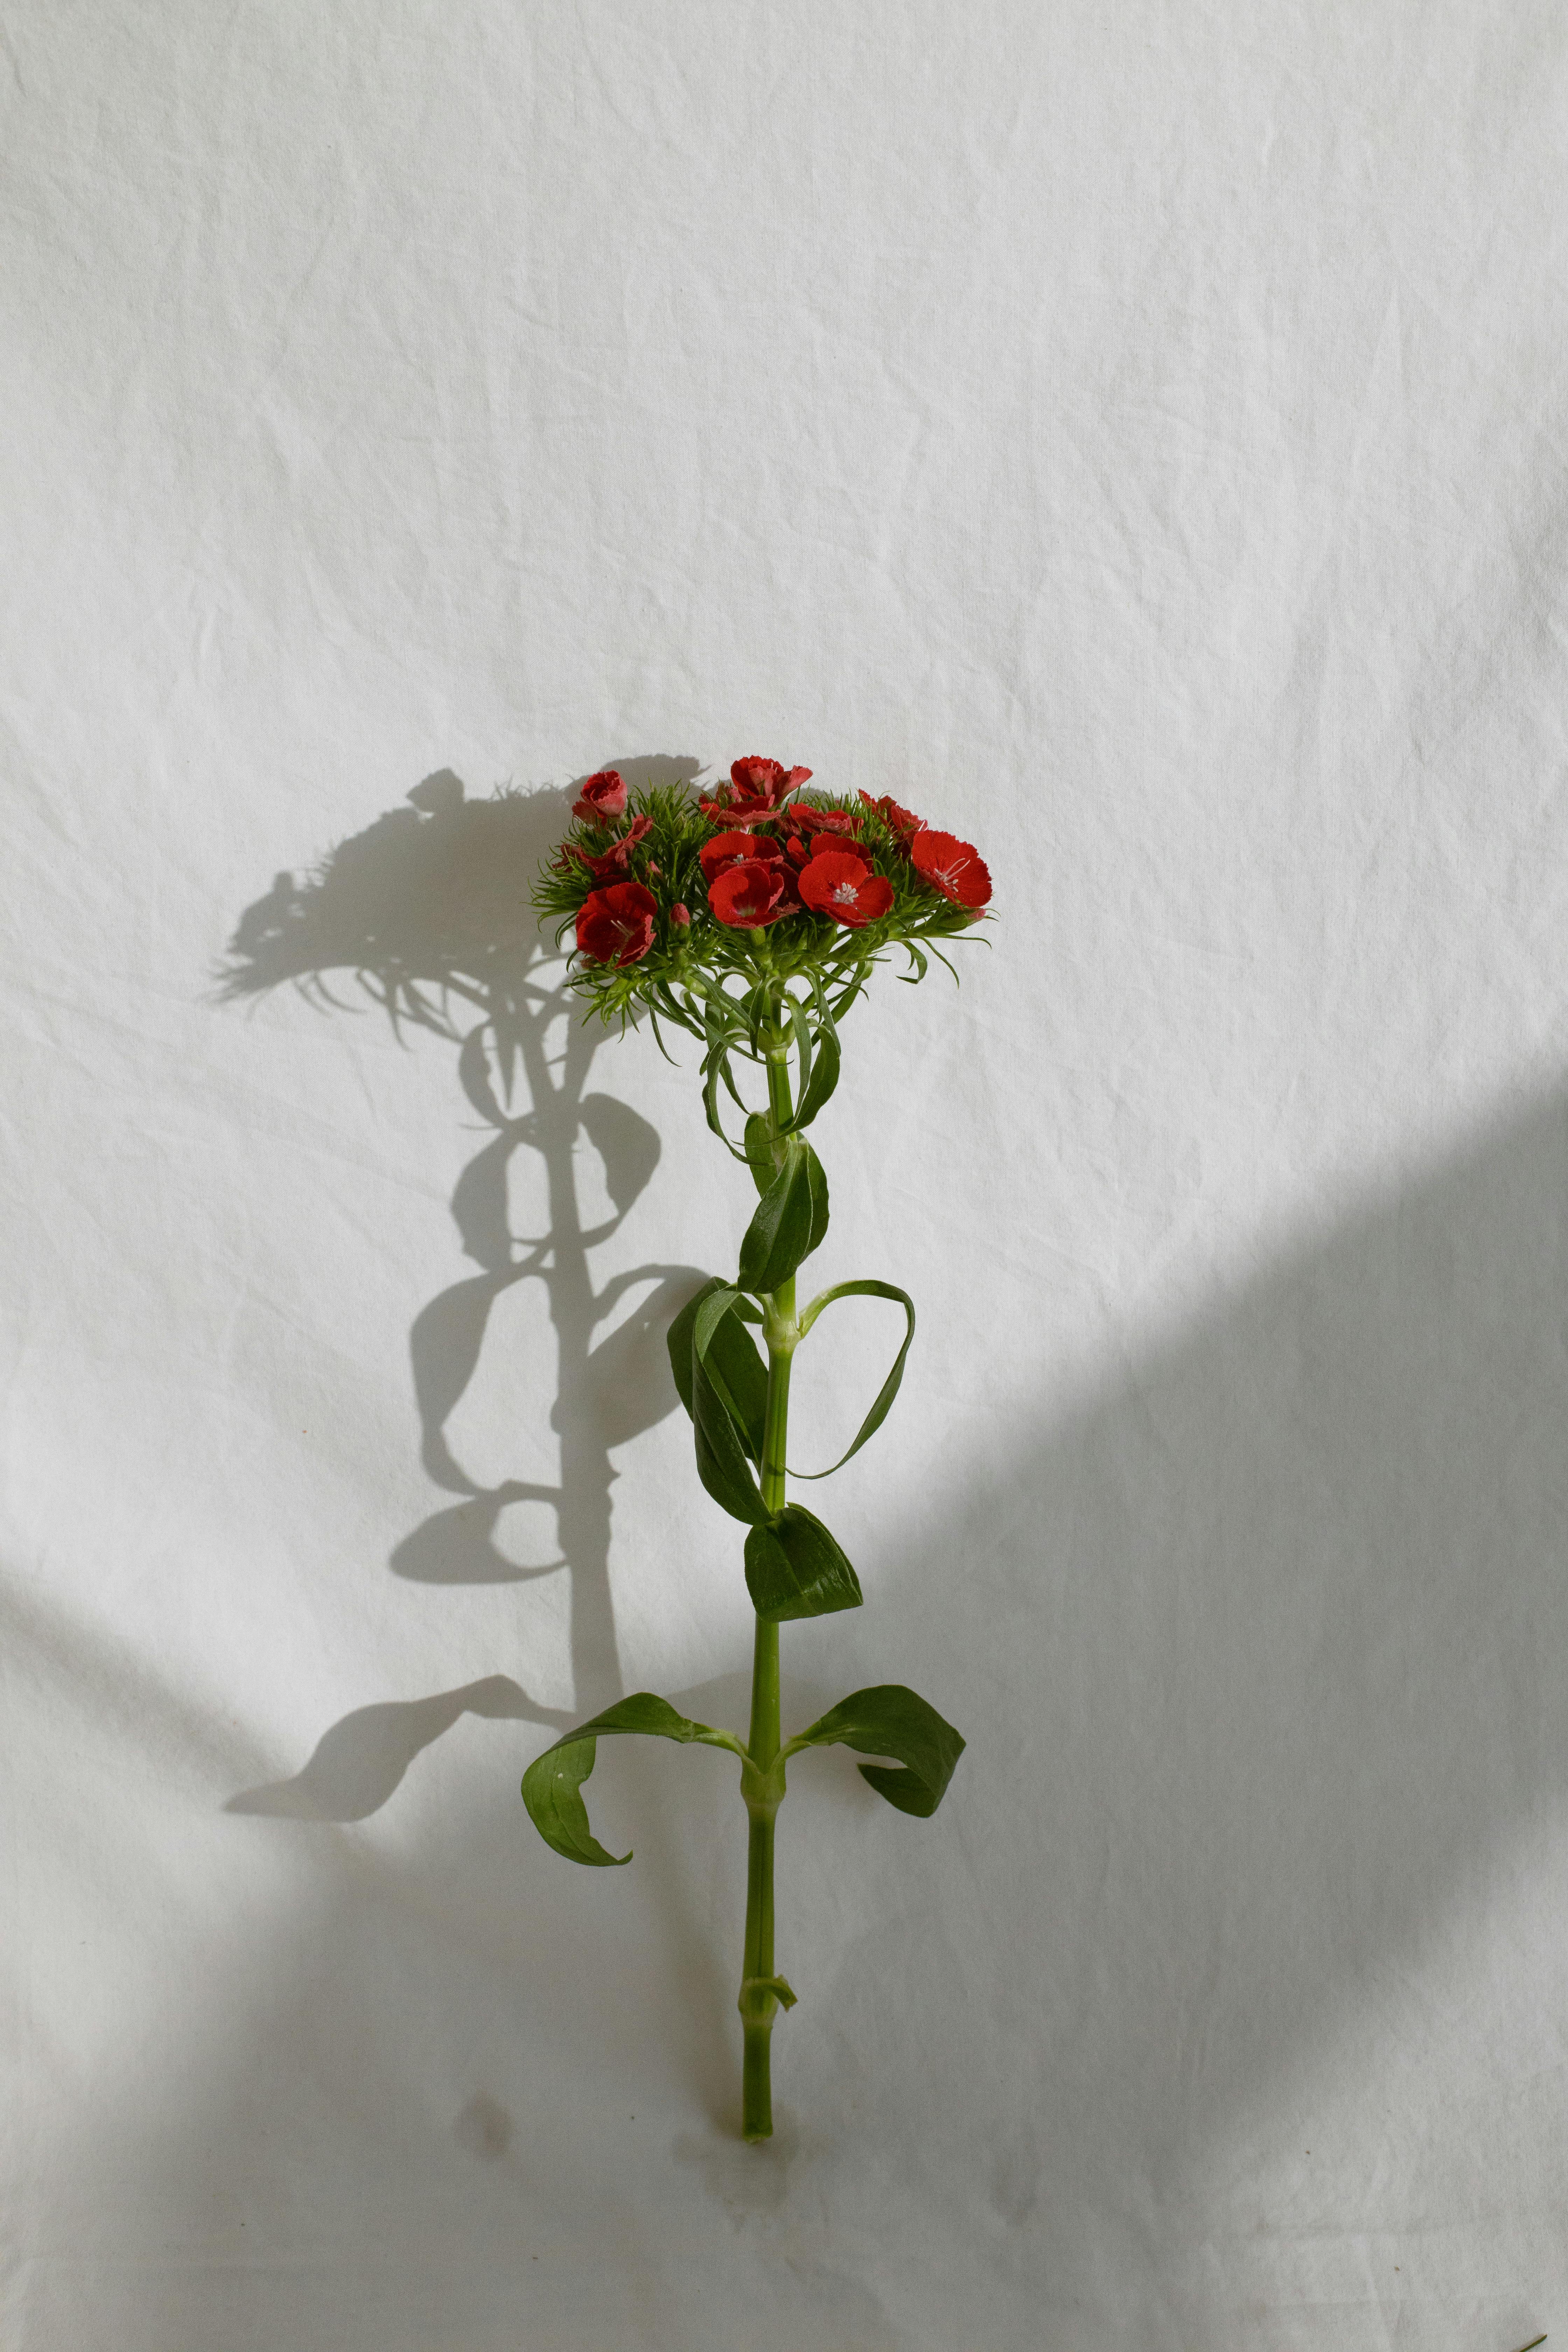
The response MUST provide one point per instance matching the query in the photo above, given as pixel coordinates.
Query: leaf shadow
(427, 913)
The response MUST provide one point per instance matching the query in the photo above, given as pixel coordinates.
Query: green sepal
(552, 1783)
(717, 1412)
(883, 1402)
(888, 1720)
(790, 1220)
(733, 1365)
(794, 1569)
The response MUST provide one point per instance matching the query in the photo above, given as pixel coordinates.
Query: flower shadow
(427, 912)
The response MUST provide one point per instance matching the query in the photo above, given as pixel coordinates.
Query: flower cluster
(656, 884)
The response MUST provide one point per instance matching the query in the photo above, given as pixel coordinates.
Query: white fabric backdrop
(1134, 436)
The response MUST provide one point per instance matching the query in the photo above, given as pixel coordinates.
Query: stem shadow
(427, 913)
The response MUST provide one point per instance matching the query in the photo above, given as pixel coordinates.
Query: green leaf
(719, 1414)
(888, 1720)
(712, 1062)
(734, 1366)
(794, 1569)
(790, 1219)
(760, 1150)
(823, 1079)
(552, 1782)
(883, 1403)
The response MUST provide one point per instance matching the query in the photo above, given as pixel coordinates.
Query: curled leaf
(890, 1720)
(553, 1783)
(883, 1401)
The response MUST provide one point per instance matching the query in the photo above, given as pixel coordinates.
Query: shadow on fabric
(428, 912)
(1262, 1655)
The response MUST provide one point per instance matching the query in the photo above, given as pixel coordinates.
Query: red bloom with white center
(734, 849)
(751, 894)
(952, 866)
(834, 882)
(614, 860)
(601, 797)
(615, 926)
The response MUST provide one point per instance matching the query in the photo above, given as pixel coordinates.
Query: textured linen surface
(1134, 436)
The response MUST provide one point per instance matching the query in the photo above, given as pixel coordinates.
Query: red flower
(952, 866)
(734, 849)
(757, 788)
(816, 820)
(604, 795)
(766, 779)
(681, 917)
(615, 926)
(616, 860)
(749, 895)
(902, 821)
(835, 882)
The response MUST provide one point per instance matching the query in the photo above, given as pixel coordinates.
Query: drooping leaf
(794, 1569)
(790, 1219)
(890, 1720)
(823, 1077)
(716, 1413)
(734, 1366)
(552, 1783)
(800, 1024)
(883, 1402)
(713, 1060)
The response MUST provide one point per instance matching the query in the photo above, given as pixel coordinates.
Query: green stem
(758, 2002)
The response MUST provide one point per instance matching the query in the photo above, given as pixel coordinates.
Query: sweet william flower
(766, 779)
(602, 796)
(902, 821)
(616, 924)
(816, 820)
(757, 788)
(681, 917)
(952, 866)
(835, 882)
(616, 860)
(751, 894)
(734, 849)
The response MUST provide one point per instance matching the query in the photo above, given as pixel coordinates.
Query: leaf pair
(793, 1566)
(886, 1720)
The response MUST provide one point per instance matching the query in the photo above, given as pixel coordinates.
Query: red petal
(747, 896)
(615, 926)
(953, 867)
